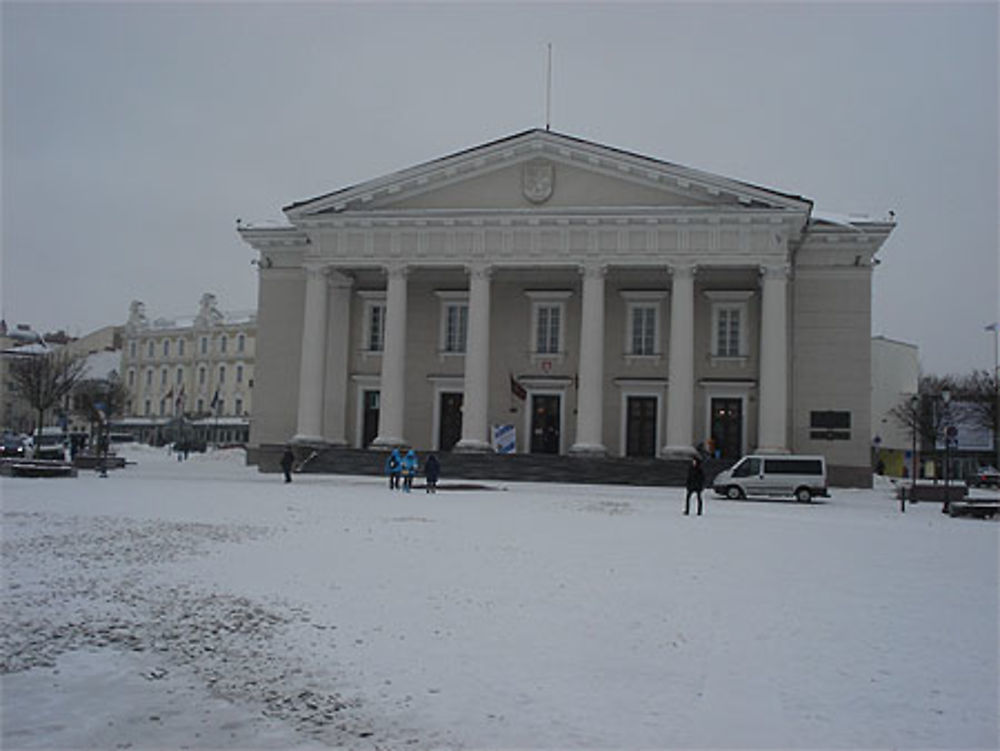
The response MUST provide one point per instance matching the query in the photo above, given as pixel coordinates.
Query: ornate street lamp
(946, 398)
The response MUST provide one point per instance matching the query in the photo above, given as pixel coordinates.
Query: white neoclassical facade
(598, 301)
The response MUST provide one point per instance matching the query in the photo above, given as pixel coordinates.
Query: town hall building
(583, 299)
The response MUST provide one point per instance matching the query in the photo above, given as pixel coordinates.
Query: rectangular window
(149, 377)
(830, 426)
(201, 376)
(204, 345)
(201, 406)
(727, 332)
(180, 348)
(148, 408)
(222, 374)
(149, 348)
(239, 407)
(166, 348)
(456, 327)
(131, 350)
(239, 374)
(180, 375)
(548, 321)
(163, 377)
(643, 330)
(222, 344)
(376, 327)
(240, 343)
(131, 379)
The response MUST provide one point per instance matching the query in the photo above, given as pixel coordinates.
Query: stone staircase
(495, 467)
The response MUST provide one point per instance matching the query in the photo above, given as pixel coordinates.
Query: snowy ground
(203, 605)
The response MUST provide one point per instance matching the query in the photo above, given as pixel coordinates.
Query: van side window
(747, 468)
(793, 467)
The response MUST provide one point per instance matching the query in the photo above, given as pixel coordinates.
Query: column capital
(778, 271)
(593, 270)
(479, 271)
(315, 269)
(683, 270)
(339, 279)
(396, 270)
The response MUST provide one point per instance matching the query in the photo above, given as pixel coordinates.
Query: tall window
(149, 348)
(376, 327)
(149, 377)
(180, 348)
(166, 348)
(131, 350)
(239, 406)
(148, 408)
(548, 324)
(643, 330)
(163, 407)
(241, 341)
(201, 406)
(727, 332)
(163, 377)
(204, 345)
(223, 341)
(222, 374)
(239, 374)
(180, 375)
(201, 376)
(456, 327)
(131, 378)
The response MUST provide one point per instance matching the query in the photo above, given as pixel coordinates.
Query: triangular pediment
(539, 169)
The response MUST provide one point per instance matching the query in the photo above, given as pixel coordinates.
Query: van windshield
(747, 468)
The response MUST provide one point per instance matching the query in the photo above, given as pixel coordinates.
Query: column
(772, 406)
(338, 358)
(590, 392)
(475, 400)
(309, 427)
(393, 384)
(680, 391)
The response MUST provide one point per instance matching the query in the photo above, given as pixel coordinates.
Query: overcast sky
(135, 135)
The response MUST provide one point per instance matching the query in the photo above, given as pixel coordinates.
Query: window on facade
(201, 406)
(222, 344)
(131, 379)
(548, 321)
(163, 377)
(643, 330)
(149, 377)
(241, 341)
(456, 327)
(201, 376)
(239, 374)
(131, 350)
(149, 348)
(727, 332)
(376, 327)
(180, 375)
(239, 407)
(204, 345)
(180, 348)
(163, 407)
(830, 426)
(148, 408)
(222, 374)
(166, 348)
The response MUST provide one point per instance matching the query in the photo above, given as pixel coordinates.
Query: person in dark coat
(432, 470)
(695, 484)
(287, 460)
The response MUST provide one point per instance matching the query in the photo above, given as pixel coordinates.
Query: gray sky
(135, 135)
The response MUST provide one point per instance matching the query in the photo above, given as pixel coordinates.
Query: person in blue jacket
(410, 466)
(393, 468)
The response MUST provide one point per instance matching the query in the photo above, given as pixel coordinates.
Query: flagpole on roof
(548, 90)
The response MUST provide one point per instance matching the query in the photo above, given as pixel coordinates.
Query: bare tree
(44, 380)
(979, 395)
(98, 400)
(929, 414)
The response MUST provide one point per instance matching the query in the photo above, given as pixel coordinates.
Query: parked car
(987, 477)
(771, 476)
(51, 445)
(12, 446)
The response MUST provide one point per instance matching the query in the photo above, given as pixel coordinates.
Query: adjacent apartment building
(585, 299)
(200, 368)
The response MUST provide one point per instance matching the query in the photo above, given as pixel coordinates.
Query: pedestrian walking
(432, 470)
(393, 467)
(695, 485)
(287, 460)
(410, 466)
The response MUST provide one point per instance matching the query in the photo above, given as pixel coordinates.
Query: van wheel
(802, 495)
(733, 493)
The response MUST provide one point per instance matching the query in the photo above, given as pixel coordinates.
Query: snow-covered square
(201, 604)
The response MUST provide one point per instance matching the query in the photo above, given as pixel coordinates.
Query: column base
(472, 446)
(387, 443)
(678, 452)
(313, 441)
(595, 450)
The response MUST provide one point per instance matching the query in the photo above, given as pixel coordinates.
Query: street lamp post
(915, 413)
(995, 328)
(946, 398)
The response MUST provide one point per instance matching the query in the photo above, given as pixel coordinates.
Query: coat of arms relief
(538, 180)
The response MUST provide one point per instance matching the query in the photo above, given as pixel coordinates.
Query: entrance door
(640, 427)
(727, 427)
(369, 431)
(450, 431)
(545, 423)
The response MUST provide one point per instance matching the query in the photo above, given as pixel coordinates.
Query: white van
(774, 475)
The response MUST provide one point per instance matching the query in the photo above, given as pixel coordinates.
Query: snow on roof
(230, 318)
(849, 220)
(102, 364)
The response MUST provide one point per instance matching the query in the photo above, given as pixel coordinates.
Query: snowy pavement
(203, 605)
